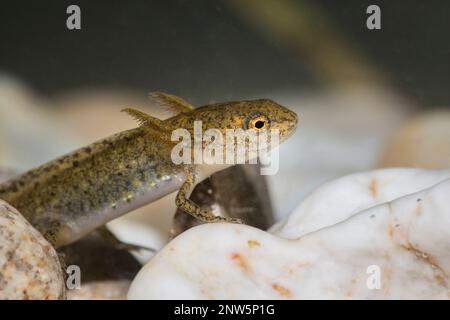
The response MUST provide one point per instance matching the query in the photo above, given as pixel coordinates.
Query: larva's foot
(234, 220)
(226, 219)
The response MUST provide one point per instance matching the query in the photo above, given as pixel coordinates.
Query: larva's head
(255, 115)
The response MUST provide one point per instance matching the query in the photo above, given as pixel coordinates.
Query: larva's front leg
(184, 203)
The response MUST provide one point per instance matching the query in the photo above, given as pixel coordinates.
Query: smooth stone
(398, 249)
(29, 265)
(341, 198)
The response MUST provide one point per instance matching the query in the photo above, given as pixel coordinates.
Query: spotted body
(68, 197)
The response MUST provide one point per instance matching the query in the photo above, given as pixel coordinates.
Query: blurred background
(227, 49)
(366, 98)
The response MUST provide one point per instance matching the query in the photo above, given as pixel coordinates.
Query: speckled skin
(235, 115)
(68, 197)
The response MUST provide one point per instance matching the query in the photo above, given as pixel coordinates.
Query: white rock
(29, 266)
(339, 199)
(405, 241)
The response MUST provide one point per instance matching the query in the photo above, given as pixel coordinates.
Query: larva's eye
(257, 122)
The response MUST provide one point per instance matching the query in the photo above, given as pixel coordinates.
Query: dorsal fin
(174, 103)
(144, 119)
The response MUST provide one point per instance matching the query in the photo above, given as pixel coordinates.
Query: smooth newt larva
(69, 197)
